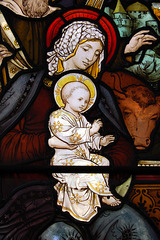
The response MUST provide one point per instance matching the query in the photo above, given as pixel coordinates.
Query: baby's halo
(75, 77)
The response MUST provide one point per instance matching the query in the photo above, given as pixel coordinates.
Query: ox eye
(127, 113)
(154, 117)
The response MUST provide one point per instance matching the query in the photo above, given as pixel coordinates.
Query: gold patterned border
(147, 198)
(148, 163)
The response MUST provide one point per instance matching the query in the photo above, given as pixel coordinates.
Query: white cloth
(72, 35)
(78, 193)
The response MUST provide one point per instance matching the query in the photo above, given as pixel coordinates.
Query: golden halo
(74, 77)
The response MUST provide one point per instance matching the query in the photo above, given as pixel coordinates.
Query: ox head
(141, 110)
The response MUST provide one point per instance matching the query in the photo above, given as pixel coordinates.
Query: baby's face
(79, 100)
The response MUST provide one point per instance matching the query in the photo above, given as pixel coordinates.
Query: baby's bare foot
(111, 200)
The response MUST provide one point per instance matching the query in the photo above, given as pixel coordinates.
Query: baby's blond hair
(69, 88)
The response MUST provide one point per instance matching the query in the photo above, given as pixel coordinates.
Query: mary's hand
(140, 39)
(4, 52)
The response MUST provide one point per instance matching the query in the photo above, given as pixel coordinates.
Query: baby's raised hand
(97, 124)
(107, 140)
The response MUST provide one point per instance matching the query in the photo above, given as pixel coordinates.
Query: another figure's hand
(97, 124)
(4, 52)
(55, 142)
(138, 40)
(107, 140)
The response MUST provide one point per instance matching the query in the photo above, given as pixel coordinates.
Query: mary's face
(86, 55)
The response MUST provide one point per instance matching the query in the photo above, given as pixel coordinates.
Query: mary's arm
(19, 146)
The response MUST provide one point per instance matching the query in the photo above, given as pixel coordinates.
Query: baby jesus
(79, 193)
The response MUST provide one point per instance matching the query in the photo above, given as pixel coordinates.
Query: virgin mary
(25, 140)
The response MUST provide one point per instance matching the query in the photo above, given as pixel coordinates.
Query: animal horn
(117, 82)
(158, 100)
(118, 91)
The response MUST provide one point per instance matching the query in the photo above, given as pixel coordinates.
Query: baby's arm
(55, 142)
(97, 124)
(66, 131)
(104, 141)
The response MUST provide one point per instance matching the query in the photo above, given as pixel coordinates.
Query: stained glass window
(79, 120)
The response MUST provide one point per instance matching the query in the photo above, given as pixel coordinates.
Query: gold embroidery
(13, 70)
(96, 158)
(91, 164)
(76, 198)
(16, 43)
(56, 127)
(6, 27)
(81, 153)
(75, 138)
(68, 162)
(100, 187)
(56, 114)
(105, 175)
(47, 82)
